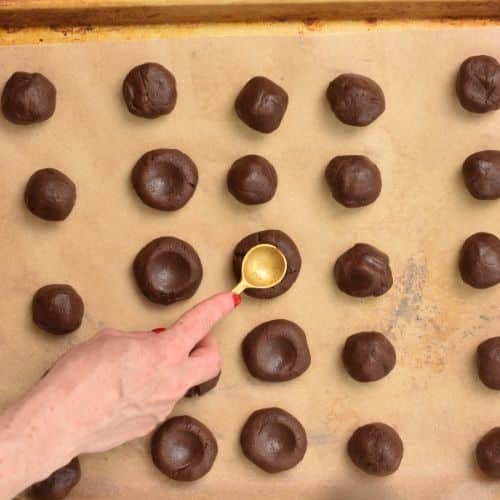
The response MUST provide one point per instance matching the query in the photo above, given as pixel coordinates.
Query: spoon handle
(238, 289)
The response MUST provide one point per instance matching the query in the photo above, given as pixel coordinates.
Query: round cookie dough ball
(201, 389)
(168, 270)
(479, 261)
(488, 453)
(376, 449)
(50, 194)
(280, 240)
(354, 180)
(276, 351)
(59, 484)
(252, 180)
(355, 99)
(478, 84)
(165, 179)
(28, 98)
(57, 309)
(481, 172)
(183, 448)
(149, 91)
(488, 362)
(273, 439)
(363, 271)
(368, 356)
(261, 104)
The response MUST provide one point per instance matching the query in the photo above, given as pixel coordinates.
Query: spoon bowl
(263, 266)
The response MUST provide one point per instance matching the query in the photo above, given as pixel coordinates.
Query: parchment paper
(433, 397)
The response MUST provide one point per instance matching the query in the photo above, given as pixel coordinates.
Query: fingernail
(158, 330)
(236, 299)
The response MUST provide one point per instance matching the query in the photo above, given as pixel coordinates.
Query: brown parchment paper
(433, 397)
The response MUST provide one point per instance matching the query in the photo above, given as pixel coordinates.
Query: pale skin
(114, 387)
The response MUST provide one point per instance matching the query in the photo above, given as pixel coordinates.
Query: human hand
(108, 390)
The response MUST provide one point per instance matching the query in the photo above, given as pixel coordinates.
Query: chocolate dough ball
(488, 453)
(165, 179)
(280, 240)
(59, 484)
(183, 448)
(488, 362)
(28, 98)
(261, 104)
(57, 309)
(479, 261)
(149, 91)
(363, 271)
(376, 449)
(50, 194)
(168, 270)
(355, 99)
(478, 84)
(481, 172)
(354, 180)
(276, 351)
(201, 389)
(273, 439)
(252, 180)
(368, 356)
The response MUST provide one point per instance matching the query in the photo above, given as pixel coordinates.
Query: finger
(204, 362)
(192, 326)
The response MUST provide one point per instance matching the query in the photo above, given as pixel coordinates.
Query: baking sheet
(433, 397)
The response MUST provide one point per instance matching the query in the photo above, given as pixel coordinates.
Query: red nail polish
(236, 299)
(158, 330)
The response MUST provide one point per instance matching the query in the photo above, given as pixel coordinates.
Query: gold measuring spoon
(263, 266)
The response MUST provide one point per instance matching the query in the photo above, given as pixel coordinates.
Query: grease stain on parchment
(416, 318)
(411, 306)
